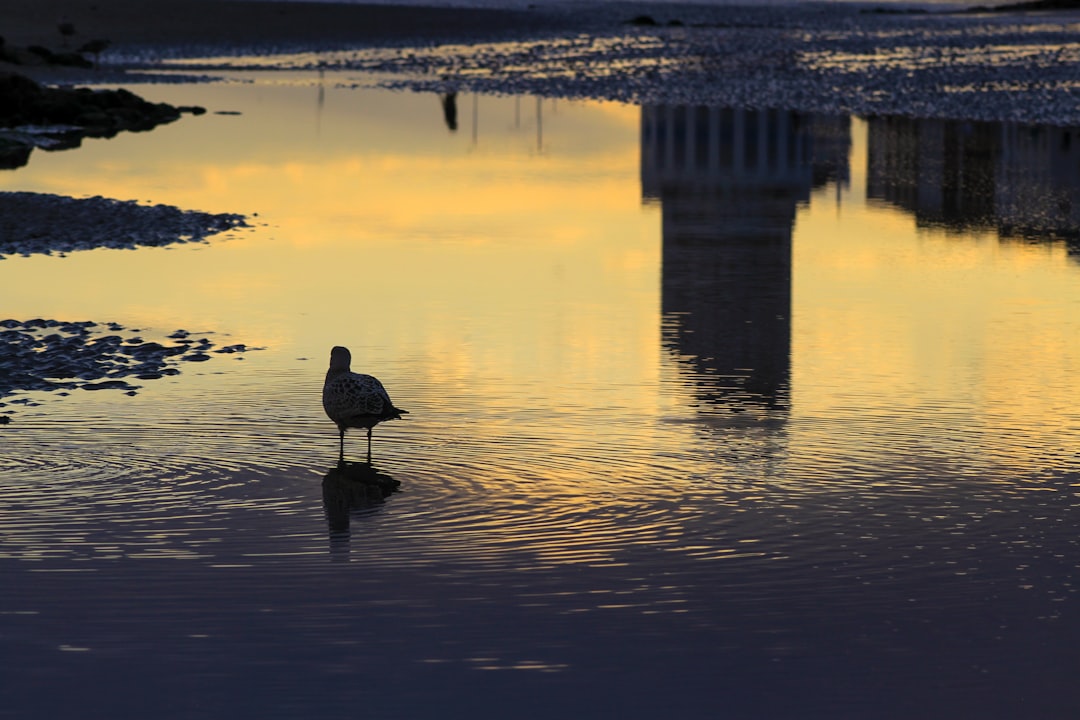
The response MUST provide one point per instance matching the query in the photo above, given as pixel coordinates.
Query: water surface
(713, 413)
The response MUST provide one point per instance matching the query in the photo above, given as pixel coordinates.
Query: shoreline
(991, 66)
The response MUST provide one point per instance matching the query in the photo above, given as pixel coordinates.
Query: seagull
(355, 400)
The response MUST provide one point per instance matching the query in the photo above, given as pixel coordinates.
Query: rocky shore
(1011, 67)
(52, 355)
(53, 118)
(1009, 62)
(36, 116)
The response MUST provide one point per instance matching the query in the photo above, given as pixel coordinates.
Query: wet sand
(175, 23)
(841, 58)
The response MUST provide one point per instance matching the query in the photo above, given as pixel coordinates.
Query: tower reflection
(729, 183)
(1020, 181)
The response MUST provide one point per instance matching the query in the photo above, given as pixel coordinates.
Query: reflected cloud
(1020, 181)
(729, 183)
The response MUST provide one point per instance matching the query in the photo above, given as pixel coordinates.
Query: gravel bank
(39, 223)
(974, 67)
(835, 58)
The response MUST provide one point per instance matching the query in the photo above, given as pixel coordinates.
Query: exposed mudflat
(959, 66)
(40, 223)
(946, 62)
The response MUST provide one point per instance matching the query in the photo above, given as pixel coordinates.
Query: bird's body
(354, 400)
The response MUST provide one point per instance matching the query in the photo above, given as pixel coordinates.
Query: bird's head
(340, 358)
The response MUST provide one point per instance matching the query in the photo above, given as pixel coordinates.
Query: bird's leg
(341, 447)
(369, 446)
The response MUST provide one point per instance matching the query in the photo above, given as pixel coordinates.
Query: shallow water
(712, 414)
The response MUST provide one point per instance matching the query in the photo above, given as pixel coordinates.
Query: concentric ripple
(204, 478)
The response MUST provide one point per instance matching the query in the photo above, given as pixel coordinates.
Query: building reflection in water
(729, 183)
(1021, 181)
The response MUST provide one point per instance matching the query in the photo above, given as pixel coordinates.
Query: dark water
(713, 414)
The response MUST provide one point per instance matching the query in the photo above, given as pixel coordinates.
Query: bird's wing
(353, 394)
(387, 411)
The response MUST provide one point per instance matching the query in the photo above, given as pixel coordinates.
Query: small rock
(107, 385)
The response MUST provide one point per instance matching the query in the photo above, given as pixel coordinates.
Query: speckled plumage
(354, 400)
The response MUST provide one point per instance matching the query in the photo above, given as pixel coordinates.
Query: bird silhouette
(449, 108)
(353, 400)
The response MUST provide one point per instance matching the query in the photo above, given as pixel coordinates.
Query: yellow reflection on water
(928, 338)
(495, 262)
(516, 263)
(357, 212)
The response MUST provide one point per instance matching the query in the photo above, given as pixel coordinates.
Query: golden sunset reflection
(901, 329)
(691, 404)
(515, 261)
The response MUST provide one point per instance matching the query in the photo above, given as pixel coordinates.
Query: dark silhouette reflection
(320, 100)
(729, 182)
(449, 109)
(352, 488)
(1021, 181)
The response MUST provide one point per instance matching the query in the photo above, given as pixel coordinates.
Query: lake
(713, 413)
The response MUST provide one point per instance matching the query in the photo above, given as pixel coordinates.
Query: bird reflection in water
(351, 489)
(449, 107)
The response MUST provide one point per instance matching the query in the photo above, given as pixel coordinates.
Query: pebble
(830, 58)
(49, 355)
(107, 385)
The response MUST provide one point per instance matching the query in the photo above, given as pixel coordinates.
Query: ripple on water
(819, 509)
(42, 355)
